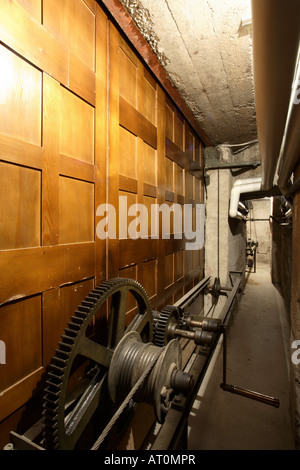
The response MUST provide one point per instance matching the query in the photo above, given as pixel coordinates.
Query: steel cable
(131, 394)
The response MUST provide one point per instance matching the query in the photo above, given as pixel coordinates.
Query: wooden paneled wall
(82, 122)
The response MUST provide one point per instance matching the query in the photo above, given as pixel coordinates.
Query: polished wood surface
(49, 168)
(82, 122)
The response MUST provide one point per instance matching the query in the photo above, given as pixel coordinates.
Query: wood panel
(51, 172)
(31, 40)
(20, 326)
(128, 65)
(20, 196)
(60, 304)
(76, 127)
(76, 211)
(101, 132)
(25, 272)
(83, 122)
(17, 151)
(182, 187)
(20, 98)
(149, 163)
(50, 175)
(148, 100)
(74, 24)
(133, 120)
(127, 153)
(34, 7)
(133, 170)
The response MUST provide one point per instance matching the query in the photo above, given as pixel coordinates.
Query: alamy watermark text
(140, 221)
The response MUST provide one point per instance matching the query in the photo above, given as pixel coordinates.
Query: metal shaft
(272, 401)
(199, 336)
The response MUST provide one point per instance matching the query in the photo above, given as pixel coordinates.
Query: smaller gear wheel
(165, 323)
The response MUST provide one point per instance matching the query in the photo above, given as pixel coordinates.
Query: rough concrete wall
(281, 266)
(207, 53)
(295, 316)
(259, 228)
(217, 233)
(225, 248)
(232, 244)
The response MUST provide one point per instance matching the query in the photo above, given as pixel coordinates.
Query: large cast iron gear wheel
(66, 414)
(164, 324)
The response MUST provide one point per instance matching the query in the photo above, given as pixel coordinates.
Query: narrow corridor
(256, 360)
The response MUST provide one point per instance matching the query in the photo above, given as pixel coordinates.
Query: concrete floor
(257, 359)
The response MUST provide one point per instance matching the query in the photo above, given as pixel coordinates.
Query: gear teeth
(72, 334)
(58, 359)
(56, 375)
(87, 304)
(161, 322)
(90, 299)
(160, 328)
(57, 370)
(77, 320)
(69, 340)
(74, 326)
(84, 309)
(66, 348)
(62, 354)
(52, 387)
(95, 296)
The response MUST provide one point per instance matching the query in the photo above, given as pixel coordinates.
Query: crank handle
(272, 401)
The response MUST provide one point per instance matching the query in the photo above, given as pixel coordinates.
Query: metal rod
(184, 333)
(272, 401)
(190, 296)
(175, 422)
(223, 166)
(224, 355)
(268, 400)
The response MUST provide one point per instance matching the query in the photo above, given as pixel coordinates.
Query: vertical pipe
(218, 247)
(276, 33)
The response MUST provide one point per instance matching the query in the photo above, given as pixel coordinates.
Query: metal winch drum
(103, 368)
(113, 371)
(130, 360)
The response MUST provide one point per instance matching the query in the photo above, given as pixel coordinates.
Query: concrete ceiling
(206, 49)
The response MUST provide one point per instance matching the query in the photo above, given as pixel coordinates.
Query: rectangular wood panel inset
(169, 115)
(20, 207)
(130, 272)
(169, 270)
(20, 326)
(74, 24)
(147, 102)
(20, 98)
(149, 164)
(34, 7)
(58, 306)
(150, 278)
(76, 127)
(128, 76)
(178, 131)
(127, 215)
(150, 219)
(76, 211)
(179, 263)
(127, 153)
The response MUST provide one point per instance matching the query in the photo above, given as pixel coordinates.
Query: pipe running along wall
(276, 35)
(290, 150)
(276, 64)
(240, 186)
